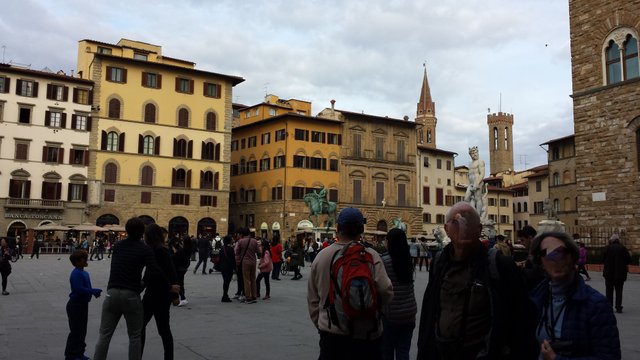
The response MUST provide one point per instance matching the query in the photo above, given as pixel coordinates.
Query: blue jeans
(118, 303)
(396, 338)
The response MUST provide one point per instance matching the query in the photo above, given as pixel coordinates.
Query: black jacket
(616, 259)
(160, 286)
(227, 259)
(512, 334)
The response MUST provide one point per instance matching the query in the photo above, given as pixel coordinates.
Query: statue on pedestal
(319, 204)
(477, 192)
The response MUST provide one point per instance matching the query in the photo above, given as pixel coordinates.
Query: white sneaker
(183, 302)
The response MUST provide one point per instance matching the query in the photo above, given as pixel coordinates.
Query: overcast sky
(368, 55)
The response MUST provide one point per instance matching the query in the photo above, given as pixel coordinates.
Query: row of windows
(150, 145)
(280, 135)
(380, 151)
(52, 118)
(496, 139)
(400, 196)
(180, 178)
(176, 199)
(56, 92)
(303, 162)
(183, 119)
(50, 190)
(566, 178)
(426, 218)
(277, 193)
(153, 80)
(427, 163)
(440, 199)
(53, 154)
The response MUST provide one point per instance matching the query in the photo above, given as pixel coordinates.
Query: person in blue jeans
(400, 313)
(130, 257)
(78, 306)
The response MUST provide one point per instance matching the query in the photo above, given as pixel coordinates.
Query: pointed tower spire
(426, 104)
(426, 114)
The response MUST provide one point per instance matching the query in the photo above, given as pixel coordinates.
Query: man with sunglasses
(476, 304)
(574, 320)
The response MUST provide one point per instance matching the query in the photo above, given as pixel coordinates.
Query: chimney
(333, 104)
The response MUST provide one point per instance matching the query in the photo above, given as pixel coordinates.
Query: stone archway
(107, 219)
(208, 227)
(147, 220)
(178, 226)
(17, 228)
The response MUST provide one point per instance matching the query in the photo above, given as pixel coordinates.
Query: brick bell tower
(426, 116)
(500, 141)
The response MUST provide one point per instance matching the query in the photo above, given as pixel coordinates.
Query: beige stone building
(606, 93)
(562, 181)
(378, 169)
(436, 186)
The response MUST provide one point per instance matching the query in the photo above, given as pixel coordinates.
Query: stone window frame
(619, 37)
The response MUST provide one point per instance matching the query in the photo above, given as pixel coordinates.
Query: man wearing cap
(335, 343)
(616, 259)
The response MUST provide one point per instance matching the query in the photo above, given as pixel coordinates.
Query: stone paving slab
(33, 322)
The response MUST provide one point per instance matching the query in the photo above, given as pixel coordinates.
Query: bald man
(468, 310)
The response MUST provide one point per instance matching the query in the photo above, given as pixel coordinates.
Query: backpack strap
(329, 306)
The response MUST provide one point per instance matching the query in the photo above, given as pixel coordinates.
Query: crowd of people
(481, 301)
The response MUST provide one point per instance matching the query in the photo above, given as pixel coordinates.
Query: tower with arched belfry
(426, 116)
(500, 141)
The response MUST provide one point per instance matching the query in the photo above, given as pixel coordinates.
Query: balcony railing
(34, 203)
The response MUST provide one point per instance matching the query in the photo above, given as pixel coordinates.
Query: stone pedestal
(551, 225)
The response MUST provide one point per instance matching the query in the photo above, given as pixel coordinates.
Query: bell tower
(426, 116)
(500, 142)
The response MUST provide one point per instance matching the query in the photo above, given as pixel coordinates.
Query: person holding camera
(574, 320)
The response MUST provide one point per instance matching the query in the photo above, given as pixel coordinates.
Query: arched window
(150, 113)
(556, 179)
(428, 136)
(206, 182)
(567, 204)
(495, 138)
(180, 149)
(631, 66)
(180, 178)
(148, 144)
(183, 117)
(208, 150)
(210, 123)
(614, 71)
(112, 141)
(114, 109)
(566, 177)
(110, 173)
(146, 177)
(506, 138)
(519, 207)
(217, 152)
(556, 205)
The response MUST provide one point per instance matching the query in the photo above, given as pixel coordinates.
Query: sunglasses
(556, 254)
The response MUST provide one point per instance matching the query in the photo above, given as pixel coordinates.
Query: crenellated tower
(500, 141)
(426, 116)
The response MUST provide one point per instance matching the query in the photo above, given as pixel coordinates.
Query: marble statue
(477, 192)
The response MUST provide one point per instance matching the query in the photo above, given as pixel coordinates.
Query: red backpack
(353, 299)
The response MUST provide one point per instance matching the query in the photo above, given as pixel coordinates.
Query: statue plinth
(550, 225)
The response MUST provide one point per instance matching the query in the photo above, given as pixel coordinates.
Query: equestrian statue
(318, 205)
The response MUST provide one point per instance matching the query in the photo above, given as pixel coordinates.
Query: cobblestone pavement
(33, 323)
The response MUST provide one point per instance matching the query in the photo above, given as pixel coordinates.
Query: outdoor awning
(51, 227)
(88, 227)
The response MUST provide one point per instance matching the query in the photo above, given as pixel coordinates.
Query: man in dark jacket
(616, 261)
(204, 250)
(130, 257)
(475, 305)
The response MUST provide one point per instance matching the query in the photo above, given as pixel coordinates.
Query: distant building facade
(44, 148)
(500, 142)
(562, 180)
(160, 145)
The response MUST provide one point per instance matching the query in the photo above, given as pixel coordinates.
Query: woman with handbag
(227, 264)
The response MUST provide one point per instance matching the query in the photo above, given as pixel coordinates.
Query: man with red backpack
(348, 285)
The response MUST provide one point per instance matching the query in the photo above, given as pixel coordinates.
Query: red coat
(276, 253)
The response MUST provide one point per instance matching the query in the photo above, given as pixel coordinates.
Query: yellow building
(160, 143)
(279, 154)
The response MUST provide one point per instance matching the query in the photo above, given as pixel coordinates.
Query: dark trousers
(78, 314)
(180, 274)
(396, 340)
(610, 287)
(5, 277)
(240, 281)
(202, 259)
(157, 306)
(265, 276)
(226, 281)
(296, 271)
(35, 252)
(338, 347)
(583, 270)
(275, 274)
